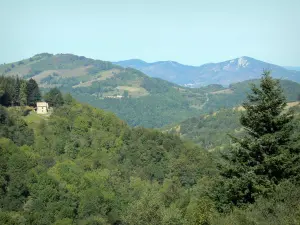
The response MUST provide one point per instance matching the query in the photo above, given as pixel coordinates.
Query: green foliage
(280, 208)
(88, 167)
(54, 97)
(23, 94)
(165, 103)
(33, 92)
(162, 103)
(126, 94)
(210, 131)
(239, 94)
(148, 111)
(15, 128)
(150, 102)
(263, 157)
(85, 166)
(7, 91)
(15, 165)
(15, 92)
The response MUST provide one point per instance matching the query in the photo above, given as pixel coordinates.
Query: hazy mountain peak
(133, 63)
(135, 60)
(44, 54)
(224, 73)
(167, 63)
(243, 62)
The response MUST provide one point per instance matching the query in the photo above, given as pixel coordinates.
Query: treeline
(18, 92)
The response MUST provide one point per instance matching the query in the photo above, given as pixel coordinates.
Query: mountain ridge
(224, 73)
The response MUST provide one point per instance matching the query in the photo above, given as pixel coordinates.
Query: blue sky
(190, 31)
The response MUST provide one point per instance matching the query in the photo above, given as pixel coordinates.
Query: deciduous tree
(54, 97)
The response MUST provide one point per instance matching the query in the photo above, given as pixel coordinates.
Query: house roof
(42, 104)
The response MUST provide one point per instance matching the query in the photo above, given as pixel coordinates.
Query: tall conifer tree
(262, 157)
(23, 93)
(33, 92)
(16, 92)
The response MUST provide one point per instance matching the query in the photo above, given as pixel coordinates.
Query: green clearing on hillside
(34, 120)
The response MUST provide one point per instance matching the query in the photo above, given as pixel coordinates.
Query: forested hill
(82, 165)
(85, 166)
(221, 97)
(133, 96)
(221, 113)
(211, 131)
(130, 94)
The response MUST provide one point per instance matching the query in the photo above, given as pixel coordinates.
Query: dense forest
(82, 165)
(236, 94)
(210, 130)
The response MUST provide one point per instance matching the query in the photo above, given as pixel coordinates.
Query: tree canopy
(33, 92)
(82, 165)
(54, 97)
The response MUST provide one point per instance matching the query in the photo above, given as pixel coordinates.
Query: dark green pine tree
(33, 92)
(16, 93)
(262, 157)
(23, 93)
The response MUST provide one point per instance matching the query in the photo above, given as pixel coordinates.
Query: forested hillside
(236, 93)
(221, 114)
(211, 130)
(87, 166)
(83, 165)
(133, 96)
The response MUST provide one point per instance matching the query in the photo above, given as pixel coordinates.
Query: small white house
(42, 107)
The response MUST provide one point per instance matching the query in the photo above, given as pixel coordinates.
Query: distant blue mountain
(133, 63)
(297, 68)
(224, 73)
